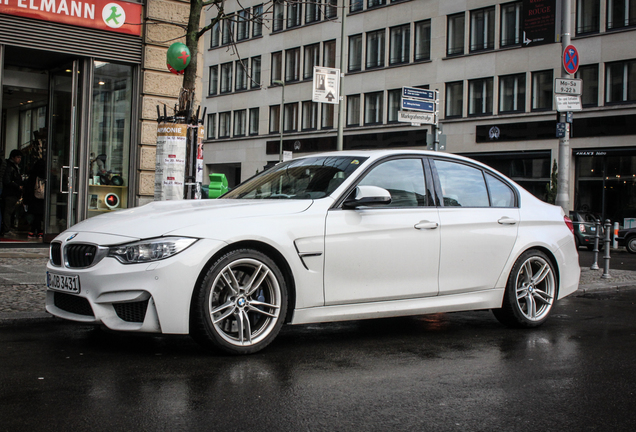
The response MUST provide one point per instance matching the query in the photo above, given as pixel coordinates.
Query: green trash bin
(217, 186)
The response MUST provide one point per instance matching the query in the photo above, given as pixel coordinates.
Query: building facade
(495, 83)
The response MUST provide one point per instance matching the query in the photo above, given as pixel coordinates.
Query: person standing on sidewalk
(3, 168)
(11, 189)
(33, 197)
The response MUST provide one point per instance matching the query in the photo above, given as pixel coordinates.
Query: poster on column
(199, 173)
(171, 161)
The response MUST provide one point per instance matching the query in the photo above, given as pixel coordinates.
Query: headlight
(150, 250)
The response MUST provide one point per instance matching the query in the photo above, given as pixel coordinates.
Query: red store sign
(109, 15)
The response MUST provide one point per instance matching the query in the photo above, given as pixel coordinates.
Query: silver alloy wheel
(245, 302)
(631, 245)
(535, 288)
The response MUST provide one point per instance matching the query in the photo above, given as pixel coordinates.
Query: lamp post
(280, 116)
(341, 104)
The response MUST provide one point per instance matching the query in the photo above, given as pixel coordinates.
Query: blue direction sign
(416, 93)
(418, 105)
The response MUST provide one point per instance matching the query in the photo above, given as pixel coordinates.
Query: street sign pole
(341, 105)
(563, 174)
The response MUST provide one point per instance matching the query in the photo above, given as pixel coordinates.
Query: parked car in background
(627, 237)
(585, 229)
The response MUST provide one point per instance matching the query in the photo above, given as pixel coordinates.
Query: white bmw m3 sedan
(328, 237)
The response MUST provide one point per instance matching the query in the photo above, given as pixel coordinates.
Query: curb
(12, 318)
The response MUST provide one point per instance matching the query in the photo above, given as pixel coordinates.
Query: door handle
(426, 225)
(507, 221)
(62, 178)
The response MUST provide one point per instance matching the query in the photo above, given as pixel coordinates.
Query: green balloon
(178, 56)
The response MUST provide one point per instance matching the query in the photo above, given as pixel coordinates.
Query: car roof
(378, 154)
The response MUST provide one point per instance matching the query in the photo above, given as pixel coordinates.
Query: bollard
(597, 237)
(606, 256)
(615, 236)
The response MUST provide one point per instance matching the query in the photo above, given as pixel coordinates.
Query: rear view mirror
(367, 196)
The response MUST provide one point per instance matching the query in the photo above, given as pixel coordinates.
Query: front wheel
(631, 245)
(530, 291)
(240, 305)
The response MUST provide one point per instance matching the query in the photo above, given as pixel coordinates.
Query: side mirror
(367, 196)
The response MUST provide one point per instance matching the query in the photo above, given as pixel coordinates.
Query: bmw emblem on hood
(72, 237)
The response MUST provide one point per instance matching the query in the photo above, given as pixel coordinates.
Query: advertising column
(171, 161)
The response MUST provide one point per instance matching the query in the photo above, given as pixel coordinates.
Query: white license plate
(63, 283)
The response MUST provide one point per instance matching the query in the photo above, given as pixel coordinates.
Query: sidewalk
(23, 272)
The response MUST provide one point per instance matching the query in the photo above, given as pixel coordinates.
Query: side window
(403, 178)
(462, 185)
(500, 193)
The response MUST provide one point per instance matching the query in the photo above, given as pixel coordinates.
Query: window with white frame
(393, 105)
(480, 96)
(588, 16)
(277, 15)
(329, 54)
(621, 13)
(243, 25)
(240, 122)
(255, 81)
(542, 90)
(454, 99)
(292, 65)
(326, 121)
(511, 19)
(375, 49)
(373, 103)
(355, 5)
(400, 51)
(254, 119)
(423, 40)
(620, 82)
(331, 8)
(311, 58)
(353, 110)
(355, 53)
(455, 34)
(213, 86)
(277, 67)
(310, 115)
(274, 119)
(589, 75)
(293, 14)
(482, 29)
(512, 93)
(226, 77)
(257, 24)
(224, 124)
(312, 11)
(240, 81)
(290, 121)
(211, 129)
(228, 29)
(215, 35)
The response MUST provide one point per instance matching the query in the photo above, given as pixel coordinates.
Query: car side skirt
(487, 299)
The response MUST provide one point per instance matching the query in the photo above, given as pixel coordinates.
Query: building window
(226, 77)
(311, 58)
(482, 29)
(353, 110)
(327, 116)
(400, 51)
(331, 9)
(277, 16)
(355, 5)
(329, 54)
(228, 29)
(423, 40)
(277, 66)
(455, 36)
(257, 24)
(215, 35)
(291, 117)
(588, 16)
(480, 96)
(310, 115)
(243, 25)
(542, 90)
(224, 124)
(589, 75)
(256, 72)
(375, 3)
(511, 24)
(240, 81)
(512, 93)
(355, 53)
(214, 80)
(274, 119)
(454, 99)
(312, 11)
(375, 49)
(393, 105)
(211, 126)
(254, 119)
(621, 13)
(620, 82)
(293, 14)
(373, 103)
(239, 122)
(292, 65)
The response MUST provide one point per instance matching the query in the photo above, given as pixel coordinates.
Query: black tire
(241, 304)
(577, 242)
(530, 292)
(630, 244)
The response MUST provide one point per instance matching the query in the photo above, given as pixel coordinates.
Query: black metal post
(606, 256)
(597, 237)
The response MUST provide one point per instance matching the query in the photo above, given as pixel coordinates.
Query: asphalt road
(445, 372)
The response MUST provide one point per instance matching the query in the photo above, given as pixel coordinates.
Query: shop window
(255, 81)
(243, 25)
(482, 29)
(589, 75)
(225, 119)
(373, 103)
(542, 90)
(328, 111)
(512, 93)
(423, 40)
(355, 53)
(455, 34)
(254, 120)
(329, 54)
(310, 115)
(240, 81)
(375, 49)
(588, 16)
(277, 16)
(277, 67)
(511, 24)
(454, 99)
(355, 5)
(215, 35)
(226, 77)
(353, 110)
(311, 58)
(400, 51)
(293, 14)
(375, 3)
(257, 24)
(312, 11)
(292, 65)
(214, 80)
(480, 96)
(240, 118)
(620, 82)
(393, 105)
(211, 126)
(290, 121)
(274, 119)
(331, 9)
(228, 30)
(621, 13)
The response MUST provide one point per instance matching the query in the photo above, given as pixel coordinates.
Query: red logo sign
(117, 16)
(571, 59)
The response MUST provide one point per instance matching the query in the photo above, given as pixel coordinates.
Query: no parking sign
(571, 59)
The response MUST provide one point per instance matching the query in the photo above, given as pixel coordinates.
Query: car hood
(163, 217)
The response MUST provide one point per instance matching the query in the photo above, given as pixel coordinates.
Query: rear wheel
(630, 244)
(530, 291)
(241, 304)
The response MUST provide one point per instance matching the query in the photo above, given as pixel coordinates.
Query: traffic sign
(418, 105)
(571, 59)
(416, 118)
(416, 93)
(569, 86)
(561, 129)
(326, 85)
(568, 103)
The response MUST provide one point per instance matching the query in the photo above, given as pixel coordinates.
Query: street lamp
(280, 121)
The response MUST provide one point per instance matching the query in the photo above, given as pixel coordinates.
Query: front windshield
(306, 178)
